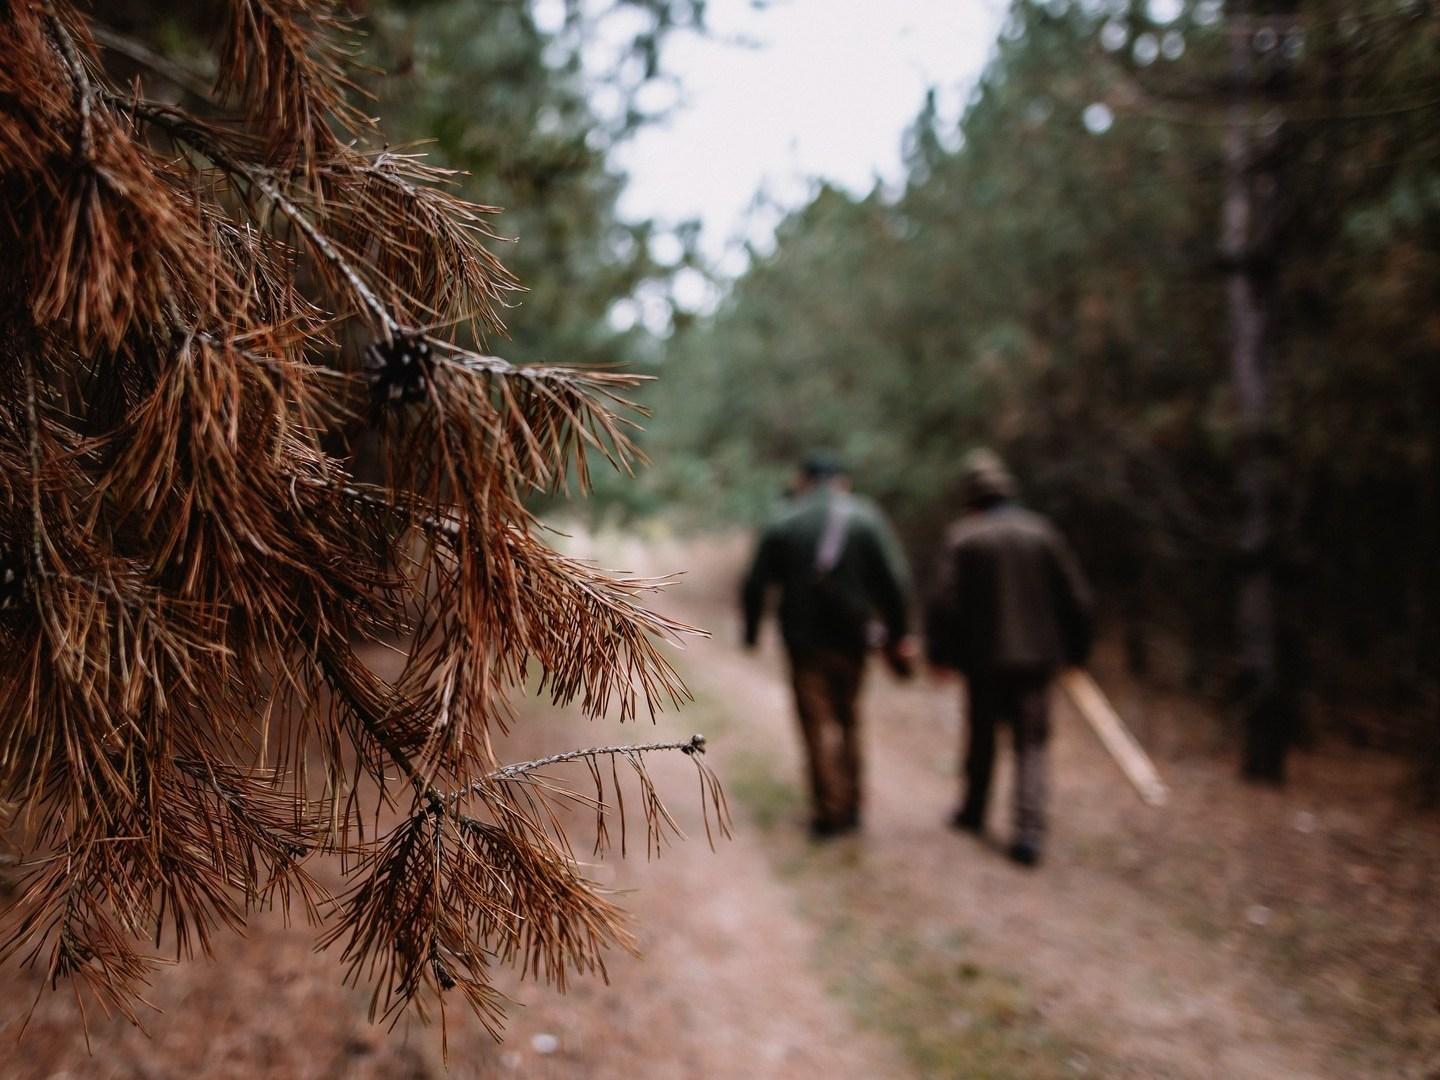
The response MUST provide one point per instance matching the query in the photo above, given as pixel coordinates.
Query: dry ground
(1240, 933)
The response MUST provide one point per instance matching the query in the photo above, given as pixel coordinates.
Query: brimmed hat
(983, 476)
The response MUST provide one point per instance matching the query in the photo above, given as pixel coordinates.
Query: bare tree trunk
(1250, 188)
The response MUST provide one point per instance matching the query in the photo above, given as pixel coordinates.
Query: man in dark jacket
(844, 587)
(1011, 607)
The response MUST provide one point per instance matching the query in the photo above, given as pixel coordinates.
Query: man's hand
(901, 655)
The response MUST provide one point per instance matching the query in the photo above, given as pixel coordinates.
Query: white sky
(826, 89)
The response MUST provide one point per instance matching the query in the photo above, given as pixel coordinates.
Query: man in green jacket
(844, 588)
(1011, 607)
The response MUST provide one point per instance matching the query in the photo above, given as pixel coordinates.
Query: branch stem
(693, 745)
(85, 94)
(183, 129)
(192, 82)
(32, 415)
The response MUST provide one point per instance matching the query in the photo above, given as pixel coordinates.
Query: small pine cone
(399, 370)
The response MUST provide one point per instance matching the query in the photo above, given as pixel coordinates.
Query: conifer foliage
(197, 289)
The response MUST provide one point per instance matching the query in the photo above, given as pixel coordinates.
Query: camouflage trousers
(1020, 701)
(827, 690)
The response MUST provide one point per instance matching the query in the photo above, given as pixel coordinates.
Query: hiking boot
(967, 822)
(821, 829)
(1025, 854)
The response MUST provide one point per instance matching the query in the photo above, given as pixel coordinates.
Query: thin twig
(693, 745)
(192, 82)
(32, 414)
(85, 93)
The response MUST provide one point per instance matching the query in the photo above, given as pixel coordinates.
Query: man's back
(1011, 595)
(836, 565)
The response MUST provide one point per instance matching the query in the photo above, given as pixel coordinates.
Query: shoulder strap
(833, 537)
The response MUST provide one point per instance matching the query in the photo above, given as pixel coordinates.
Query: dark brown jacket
(1009, 597)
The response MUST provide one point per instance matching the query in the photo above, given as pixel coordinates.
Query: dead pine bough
(191, 577)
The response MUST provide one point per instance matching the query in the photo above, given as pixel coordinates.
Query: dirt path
(1147, 946)
(1100, 965)
(1224, 937)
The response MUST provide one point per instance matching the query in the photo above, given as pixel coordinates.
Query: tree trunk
(1245, 243)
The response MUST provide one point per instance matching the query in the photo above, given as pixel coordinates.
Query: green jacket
(1010, 596)
(829, 598)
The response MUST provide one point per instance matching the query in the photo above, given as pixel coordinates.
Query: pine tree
(192, 298)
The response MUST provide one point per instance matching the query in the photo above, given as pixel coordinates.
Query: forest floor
(1238, 933)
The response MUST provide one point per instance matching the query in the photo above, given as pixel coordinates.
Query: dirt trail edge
(992, 969)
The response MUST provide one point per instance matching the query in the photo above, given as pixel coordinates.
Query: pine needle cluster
(199, 291)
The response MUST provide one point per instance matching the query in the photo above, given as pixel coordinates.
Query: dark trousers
(1021, 701)
(827, 690)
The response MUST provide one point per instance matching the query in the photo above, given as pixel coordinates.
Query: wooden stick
(1090, 700)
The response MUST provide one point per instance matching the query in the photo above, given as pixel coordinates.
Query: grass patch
(950, 1015)
(919, 987)
(769, 801)
(954, 1018)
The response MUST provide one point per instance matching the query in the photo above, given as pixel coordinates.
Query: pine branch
(205, 573)
(693, 745)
